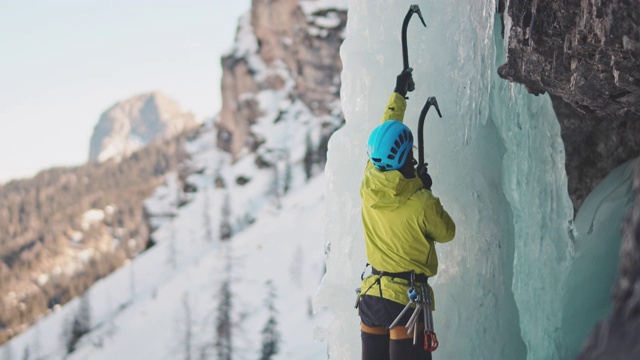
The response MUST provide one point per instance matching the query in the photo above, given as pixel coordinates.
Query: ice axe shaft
(431, 101)
(413, 9)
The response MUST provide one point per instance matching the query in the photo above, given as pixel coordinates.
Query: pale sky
(64, 62)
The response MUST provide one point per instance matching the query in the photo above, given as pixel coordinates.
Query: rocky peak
(133, 123)
(286, 46)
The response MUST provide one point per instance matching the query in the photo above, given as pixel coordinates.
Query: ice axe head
(431, 101)
(416, 9)
(413, 9)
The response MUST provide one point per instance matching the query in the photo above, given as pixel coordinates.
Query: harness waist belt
(406, 275)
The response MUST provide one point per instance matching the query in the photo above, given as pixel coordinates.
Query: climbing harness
(406, 275)
(420, 299)
(409, 276)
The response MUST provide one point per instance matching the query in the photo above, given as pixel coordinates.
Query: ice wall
(497, 161)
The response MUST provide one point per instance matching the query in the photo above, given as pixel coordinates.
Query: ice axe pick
(413, 9)
(431, 101)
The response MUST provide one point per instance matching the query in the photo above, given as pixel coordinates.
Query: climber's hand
(404, 82)
(423, 174)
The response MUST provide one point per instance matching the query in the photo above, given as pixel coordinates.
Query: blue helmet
(389, 145)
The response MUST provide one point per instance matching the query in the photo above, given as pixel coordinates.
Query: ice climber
(402, 222)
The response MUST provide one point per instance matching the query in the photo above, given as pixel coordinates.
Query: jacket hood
(387, 189)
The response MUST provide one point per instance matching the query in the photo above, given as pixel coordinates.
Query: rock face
(280, 45)
(133, 123)
(586, 52)
(586, 55)
(594, 146)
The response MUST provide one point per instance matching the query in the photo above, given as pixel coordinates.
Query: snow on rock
(286, 52)
(313, 6)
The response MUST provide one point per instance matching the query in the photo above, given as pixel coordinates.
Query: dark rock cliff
(586, 55)
(585, 52)
(594, 146)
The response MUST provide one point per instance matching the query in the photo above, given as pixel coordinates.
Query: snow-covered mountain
(133, 123)
(236, 230)
(166, 304)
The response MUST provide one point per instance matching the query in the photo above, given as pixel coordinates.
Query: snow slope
(147, 309)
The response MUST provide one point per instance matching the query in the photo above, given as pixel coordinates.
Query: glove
(404, 82)
(423, 174)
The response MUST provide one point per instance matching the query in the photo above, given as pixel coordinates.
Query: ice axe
(413, 9)
(431, 101)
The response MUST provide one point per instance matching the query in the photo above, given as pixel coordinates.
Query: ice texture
(519, 281)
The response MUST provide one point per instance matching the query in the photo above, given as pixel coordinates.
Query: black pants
(378, 312)
(380, 347)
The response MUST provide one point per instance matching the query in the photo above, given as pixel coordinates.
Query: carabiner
(413, 294)
(430, 341)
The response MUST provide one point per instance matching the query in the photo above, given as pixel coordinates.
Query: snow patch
(91, 218)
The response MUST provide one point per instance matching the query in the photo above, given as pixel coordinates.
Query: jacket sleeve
(440, 226)
(396, 105)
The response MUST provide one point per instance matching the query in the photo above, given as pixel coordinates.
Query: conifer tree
(309, 157)
(81, 324)
(276, 186)
(226, 230)
(223, 323)
(224, 326)
(206, 213)
(270, 333)
(288, 173)
(187, 325)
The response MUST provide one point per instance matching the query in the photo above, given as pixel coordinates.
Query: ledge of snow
(310, 7)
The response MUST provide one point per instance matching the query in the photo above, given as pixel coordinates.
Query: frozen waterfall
(521, 280)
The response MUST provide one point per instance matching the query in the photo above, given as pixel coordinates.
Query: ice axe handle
(413, 9)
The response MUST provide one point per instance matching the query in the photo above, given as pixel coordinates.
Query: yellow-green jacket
(402, 222)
